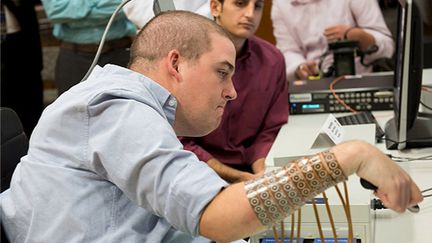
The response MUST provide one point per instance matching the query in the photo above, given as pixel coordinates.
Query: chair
(14, 145)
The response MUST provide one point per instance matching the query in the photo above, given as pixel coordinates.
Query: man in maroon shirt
(236, 150)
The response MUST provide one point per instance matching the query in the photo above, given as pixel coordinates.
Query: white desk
(295, 139)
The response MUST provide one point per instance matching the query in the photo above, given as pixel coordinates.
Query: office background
(50, 44)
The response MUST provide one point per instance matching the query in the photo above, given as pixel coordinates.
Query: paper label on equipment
(331, 133)
(307, 97)
(333, 129)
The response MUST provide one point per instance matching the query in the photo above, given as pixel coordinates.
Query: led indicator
(311, 106)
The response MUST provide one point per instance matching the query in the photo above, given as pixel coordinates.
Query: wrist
(352, 155)
(347, 31)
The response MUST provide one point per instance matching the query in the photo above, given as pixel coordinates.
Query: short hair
(185, 31)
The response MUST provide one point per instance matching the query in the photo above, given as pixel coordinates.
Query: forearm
(65, 11)
(365, 39)
(248, 208)
(258, 166)
(227, 173)
(275, 195)
(229, 216)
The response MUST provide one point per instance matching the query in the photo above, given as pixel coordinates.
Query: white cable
(96, 58)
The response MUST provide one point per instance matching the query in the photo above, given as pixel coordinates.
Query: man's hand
(342, 32)
(336, 32)
(306, 69)
(396, 189)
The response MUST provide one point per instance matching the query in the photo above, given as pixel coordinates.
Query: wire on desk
(408, 159)
(428, 107)
(332, 84)
(405, 141)
(426, 190)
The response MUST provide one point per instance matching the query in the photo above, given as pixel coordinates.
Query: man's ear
(215, 8)
(173, 64)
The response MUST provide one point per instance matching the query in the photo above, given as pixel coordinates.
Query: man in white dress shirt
(304, 28)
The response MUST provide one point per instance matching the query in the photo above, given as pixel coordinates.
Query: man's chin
(210, 130)
(199, 132)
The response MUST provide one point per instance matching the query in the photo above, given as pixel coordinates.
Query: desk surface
(295, 139)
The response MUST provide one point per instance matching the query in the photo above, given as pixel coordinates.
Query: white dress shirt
(299, 29)
(141, 11)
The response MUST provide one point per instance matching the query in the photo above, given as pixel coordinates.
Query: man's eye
(240, 3)
(259, 5)
(222, 74)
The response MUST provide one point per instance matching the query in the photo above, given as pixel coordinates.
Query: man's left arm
(369, 18)
(258, 167)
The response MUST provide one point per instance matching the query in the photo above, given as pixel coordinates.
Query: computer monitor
(406, 129)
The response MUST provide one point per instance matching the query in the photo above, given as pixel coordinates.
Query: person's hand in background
(306, 69)
(336, 32)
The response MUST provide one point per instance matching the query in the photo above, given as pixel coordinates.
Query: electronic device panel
(362, 93)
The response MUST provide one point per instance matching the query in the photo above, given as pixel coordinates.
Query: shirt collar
(166, 100)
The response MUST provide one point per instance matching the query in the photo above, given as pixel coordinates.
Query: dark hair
(184, 31)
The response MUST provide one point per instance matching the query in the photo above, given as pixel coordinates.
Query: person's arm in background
(258, 167)
(229, 216)
(286, 40)
(224, 171)
(229, 174)
(348, 32)
(369, 18)
(96, 12)
(276, 117)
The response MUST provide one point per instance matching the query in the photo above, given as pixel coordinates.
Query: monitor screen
(406, 129)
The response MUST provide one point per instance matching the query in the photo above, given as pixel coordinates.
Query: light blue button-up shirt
(105, 165)
(84, 21)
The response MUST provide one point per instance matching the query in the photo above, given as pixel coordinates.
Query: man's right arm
(230, 215)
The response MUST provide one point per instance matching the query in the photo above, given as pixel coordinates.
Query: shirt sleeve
(286, 39)
(67, 11)
(141, 11)
(133, 146)
(368, 16)
(277, 115)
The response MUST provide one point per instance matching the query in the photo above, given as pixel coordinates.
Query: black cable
(428, 107)
(405, 141)
(408, 159)
(426, 190)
